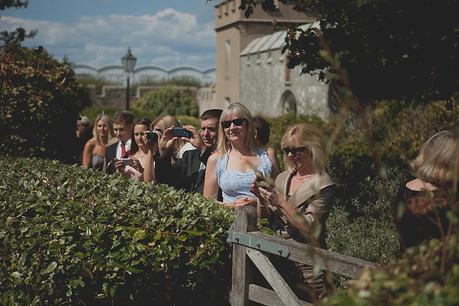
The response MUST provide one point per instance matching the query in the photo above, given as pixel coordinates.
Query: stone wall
(269, 89)
(115, 95)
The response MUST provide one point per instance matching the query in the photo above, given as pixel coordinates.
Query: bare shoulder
(214, 157)
(271, 151)
(91, 143)
(419, 185)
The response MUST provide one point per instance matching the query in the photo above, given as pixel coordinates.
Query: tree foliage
(39, 104)
(389, 49)
(20, 34)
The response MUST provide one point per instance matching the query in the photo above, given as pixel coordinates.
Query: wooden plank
(334, 262)
(267, 297)
(241, 269)
(277, 282)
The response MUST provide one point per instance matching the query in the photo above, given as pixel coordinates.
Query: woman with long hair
(94, 149)
(138, 153)
(238, 157)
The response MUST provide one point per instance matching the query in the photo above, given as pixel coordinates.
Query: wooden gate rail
(248, 243)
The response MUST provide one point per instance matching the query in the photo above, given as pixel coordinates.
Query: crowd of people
(228, 160)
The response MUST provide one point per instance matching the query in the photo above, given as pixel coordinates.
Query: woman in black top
(422, 203)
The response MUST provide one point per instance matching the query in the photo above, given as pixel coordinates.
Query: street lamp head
(128, 62)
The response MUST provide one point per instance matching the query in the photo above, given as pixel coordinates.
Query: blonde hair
(438, 159)
(108, 121)
(310, 137)
(238, 110)
(164, 122)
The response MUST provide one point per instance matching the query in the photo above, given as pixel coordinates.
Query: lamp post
(128, 61)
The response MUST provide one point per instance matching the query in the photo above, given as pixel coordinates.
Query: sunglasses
(236, 122)
(294, 150)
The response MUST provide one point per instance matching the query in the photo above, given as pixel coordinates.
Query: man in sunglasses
(188, 172)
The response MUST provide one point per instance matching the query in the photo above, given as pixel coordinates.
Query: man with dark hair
(188, 172)
(123, 126)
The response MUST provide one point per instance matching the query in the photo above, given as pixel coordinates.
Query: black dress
(421, 215)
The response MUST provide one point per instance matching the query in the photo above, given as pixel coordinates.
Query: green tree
(39, 104)
(169, 100)
(20, 34)
(389, 49)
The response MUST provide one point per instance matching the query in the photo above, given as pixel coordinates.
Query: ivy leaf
(51, 267)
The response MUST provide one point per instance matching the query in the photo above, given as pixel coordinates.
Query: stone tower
(234, 33)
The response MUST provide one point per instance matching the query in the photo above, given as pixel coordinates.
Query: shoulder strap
(309, 189)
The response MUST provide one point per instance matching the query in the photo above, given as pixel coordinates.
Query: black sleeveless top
(423, 217)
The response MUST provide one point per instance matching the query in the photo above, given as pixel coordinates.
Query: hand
(120, 166)
(137, 165)
(166, 142)
(152, 146)
(196, 140)
(270, 195)
(244, 201)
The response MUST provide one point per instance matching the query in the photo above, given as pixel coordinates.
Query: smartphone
(127, 161)
(181, 132)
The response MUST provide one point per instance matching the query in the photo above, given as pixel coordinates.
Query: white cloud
(167, 38)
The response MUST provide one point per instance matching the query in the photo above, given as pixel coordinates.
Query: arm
(87, 152)
(196, 140)
(210, 181)
(149, 172)
(166, 142)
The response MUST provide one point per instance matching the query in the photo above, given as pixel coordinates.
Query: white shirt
(118, 148)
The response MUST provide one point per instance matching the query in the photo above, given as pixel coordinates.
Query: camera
(181, 132)
(152, 137)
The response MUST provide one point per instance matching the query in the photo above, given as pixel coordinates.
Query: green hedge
(425, 275)
(83, 237)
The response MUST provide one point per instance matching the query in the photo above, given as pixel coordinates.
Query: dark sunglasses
(236, 122)
(294, 150)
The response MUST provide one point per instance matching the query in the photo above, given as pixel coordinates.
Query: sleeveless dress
(97, 162)
(235, 184)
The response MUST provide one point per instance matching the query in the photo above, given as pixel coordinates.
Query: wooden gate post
(245, 221)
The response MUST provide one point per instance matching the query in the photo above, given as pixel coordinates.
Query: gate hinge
(258, 243)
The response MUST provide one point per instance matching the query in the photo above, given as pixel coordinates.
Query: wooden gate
(248, 243)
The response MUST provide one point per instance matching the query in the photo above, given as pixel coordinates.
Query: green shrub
(189, 120)
(368, 166)
(370, 238)
(40, 101)
(69, 236)
(412, 126)
(168, 100)
(425, 275)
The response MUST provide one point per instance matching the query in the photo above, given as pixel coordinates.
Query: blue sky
(166, 33)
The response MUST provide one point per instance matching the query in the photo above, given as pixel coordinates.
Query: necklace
(302, 177)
